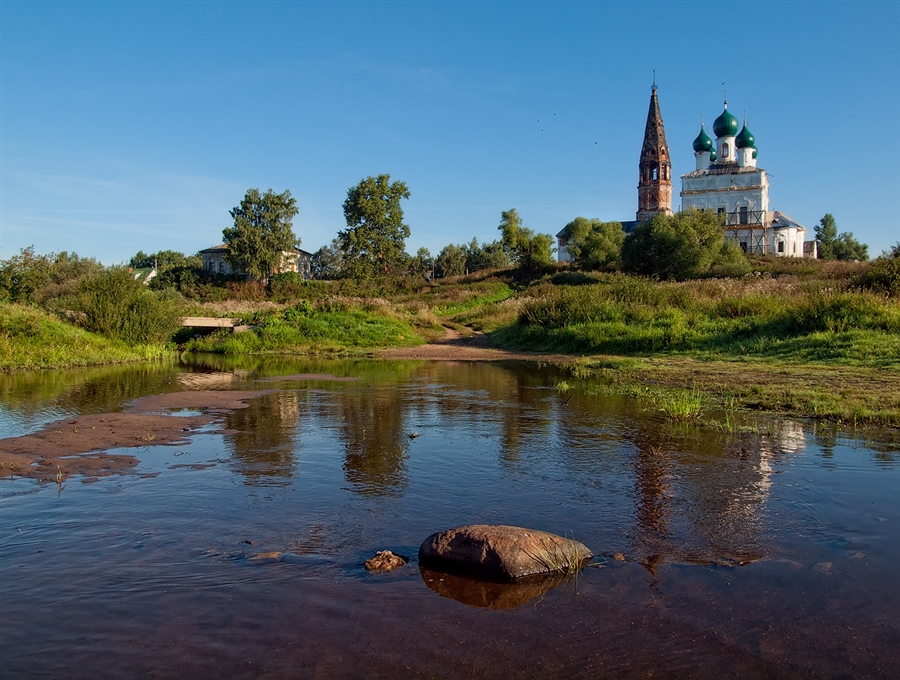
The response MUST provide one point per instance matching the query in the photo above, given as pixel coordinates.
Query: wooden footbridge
(209, 322)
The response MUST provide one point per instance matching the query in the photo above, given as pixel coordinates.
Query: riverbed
(741, 545)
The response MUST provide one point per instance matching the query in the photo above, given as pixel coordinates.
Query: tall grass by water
(332, 326)
(31, 338)
(730, 318)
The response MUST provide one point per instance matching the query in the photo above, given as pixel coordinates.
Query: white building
(727, 180)
(216, 262)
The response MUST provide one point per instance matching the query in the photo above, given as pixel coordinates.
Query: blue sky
(129, 126)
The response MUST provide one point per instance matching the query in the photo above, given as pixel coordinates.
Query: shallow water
(766, 549)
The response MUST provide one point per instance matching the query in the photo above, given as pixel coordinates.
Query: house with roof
(216, 262)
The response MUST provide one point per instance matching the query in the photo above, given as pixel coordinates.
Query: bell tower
(655, 184)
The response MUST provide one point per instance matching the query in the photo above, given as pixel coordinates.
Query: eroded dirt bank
(78, 445)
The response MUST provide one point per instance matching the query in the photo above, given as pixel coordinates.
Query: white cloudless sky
(129, 126)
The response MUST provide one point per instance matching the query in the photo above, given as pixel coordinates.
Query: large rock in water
(501, 552)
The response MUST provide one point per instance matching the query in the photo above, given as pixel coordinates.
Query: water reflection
(262, 437)
(372, 433)
(492, 594)
(498, 435)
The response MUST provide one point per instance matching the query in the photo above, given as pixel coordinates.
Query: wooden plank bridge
(212, 322)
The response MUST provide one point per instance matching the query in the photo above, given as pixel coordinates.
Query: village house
(216, 262)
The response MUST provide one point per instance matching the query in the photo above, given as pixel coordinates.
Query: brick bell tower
(655, 185)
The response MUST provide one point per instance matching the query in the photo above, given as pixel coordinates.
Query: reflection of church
(726, 180)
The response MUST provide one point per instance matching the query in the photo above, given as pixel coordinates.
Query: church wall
(728, 191)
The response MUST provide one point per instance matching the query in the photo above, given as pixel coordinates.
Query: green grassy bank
(31, 338)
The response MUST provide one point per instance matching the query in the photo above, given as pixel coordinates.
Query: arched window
(725, 150)
(655, 174)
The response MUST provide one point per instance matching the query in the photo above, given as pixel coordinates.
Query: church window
(720, 211)
(725, 150)
(744, 246)
(221, 267)
(781, 246)
(655, 173)
(743, 214)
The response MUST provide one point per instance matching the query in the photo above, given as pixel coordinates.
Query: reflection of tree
(31, 394)
(699, 497)
(373, 436)
(653, 499)
(263, 435)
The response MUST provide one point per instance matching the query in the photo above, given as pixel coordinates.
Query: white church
(728, 181)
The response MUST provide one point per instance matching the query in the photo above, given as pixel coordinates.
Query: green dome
(725, 125)
(703, 142)
(745, 139)
(712, 154)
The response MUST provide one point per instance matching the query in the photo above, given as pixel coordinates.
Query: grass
(681, 405)
(33, 339)
(791, 320)
(306, 330)
(847, 394)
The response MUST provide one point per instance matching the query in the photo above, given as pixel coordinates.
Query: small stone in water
(385, 560)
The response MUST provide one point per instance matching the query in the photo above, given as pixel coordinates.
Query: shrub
(883, 275)
(114, 304)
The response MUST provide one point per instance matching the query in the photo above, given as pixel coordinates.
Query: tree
(451, 261)
(522, 246)
(374, 241)
(834, 246)
(826, 235)
(261, 232)
(594, 244)
(327, 262)
(486, 256)
(680, 246)
(421, 265)
(164, 259)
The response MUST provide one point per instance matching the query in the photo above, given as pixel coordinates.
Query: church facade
(726, 180)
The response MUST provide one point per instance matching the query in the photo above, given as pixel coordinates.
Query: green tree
(31, 278)
(261, 232)
(374, 241)
(521, 245)
(680, 246)
(826, 235)
(485, 256)
(421, 264)
(451, 261)
(326, 263)
(164, 259)
(594, 244)
(834, 246)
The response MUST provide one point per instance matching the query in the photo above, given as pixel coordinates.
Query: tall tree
(680, 246)
(522, 246)
(594, 244)
(327, 262)
(826, 235)
(373, 244)
(451, 261)
(261, 232)
(834, 246)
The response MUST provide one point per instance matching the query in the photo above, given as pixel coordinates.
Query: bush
(883, 275)
(114, 304)
(679, 247)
